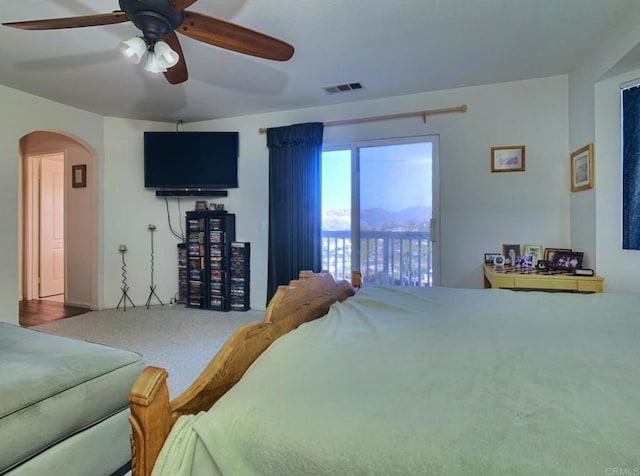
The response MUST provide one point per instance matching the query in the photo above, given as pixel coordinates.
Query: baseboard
(78, 304)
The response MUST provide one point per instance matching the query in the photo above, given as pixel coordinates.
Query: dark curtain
(295, 208)
(631, 169)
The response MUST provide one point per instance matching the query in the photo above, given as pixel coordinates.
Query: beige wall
(620, 266)
(128, 210)
(594, 112)
(22, 114)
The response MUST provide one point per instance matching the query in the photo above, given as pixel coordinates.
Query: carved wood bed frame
(153, 415)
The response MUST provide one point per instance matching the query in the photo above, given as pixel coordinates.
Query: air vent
(342, 88)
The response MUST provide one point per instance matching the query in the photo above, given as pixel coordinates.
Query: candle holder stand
(124, 288)
(152, 287)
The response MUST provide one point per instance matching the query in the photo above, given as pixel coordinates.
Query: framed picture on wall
(508, 158)
(79, 176)
(582, 168)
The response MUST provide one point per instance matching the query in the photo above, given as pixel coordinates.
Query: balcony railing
(402, 258)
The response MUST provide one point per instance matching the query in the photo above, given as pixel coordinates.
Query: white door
(51, 225)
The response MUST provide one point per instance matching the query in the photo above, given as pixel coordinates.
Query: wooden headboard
(153, 415)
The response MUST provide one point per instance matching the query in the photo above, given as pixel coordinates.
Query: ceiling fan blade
(178, 73)
(70, 22)
(179, 5)
(230, 36)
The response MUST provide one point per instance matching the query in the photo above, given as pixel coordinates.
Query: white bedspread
(433, 381)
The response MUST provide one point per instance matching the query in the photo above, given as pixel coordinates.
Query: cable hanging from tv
(180, 236)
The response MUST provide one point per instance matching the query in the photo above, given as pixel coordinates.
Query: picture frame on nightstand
(567, 260)
(510, 253)
(524, 262)
(535, 251)
(549, 253)
(489, 257)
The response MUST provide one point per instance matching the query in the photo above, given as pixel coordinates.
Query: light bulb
(165, 56)
(153, 65)
(133, 49)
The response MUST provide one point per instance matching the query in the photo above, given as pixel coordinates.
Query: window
(630, 97)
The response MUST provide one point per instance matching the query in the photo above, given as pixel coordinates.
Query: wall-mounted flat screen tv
(191, 160)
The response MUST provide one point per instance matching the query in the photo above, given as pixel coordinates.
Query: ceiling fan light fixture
(153, 65)
(133, 49)
(160, 20)
(165, 56)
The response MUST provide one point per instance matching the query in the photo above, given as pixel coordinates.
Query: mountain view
(409, 219)
(395, 200)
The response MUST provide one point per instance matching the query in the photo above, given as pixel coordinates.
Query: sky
(393, 177)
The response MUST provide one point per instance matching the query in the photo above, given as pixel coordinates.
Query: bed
(408, 381)
(61, 400)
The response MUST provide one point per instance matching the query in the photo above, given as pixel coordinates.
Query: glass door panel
(395, 214)
(378, 205)
(336, 213)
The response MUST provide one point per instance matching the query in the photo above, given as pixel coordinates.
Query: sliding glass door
(379, 211)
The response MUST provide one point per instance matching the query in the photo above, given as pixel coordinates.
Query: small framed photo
(201, 205)
(79, 176)
(567, 260)
(510, 253)
(549, 253)
(508, 158)
(582, 168)
(535, 251)
(524, 262)
(489, 257)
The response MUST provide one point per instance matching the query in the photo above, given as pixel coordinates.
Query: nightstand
(531, 279)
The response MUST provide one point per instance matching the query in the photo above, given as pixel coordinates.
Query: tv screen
(196, 160)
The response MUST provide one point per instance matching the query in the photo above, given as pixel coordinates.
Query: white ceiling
(392, 47)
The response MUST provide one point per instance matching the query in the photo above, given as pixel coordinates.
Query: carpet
(179, 339)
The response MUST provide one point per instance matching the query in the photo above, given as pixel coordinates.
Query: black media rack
(209, 237)
(240, 259)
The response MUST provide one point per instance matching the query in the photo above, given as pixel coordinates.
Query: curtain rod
(423, 114)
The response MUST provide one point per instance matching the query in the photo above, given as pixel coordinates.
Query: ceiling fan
(159, 20)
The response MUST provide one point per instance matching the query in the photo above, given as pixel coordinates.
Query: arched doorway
(59, 195)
